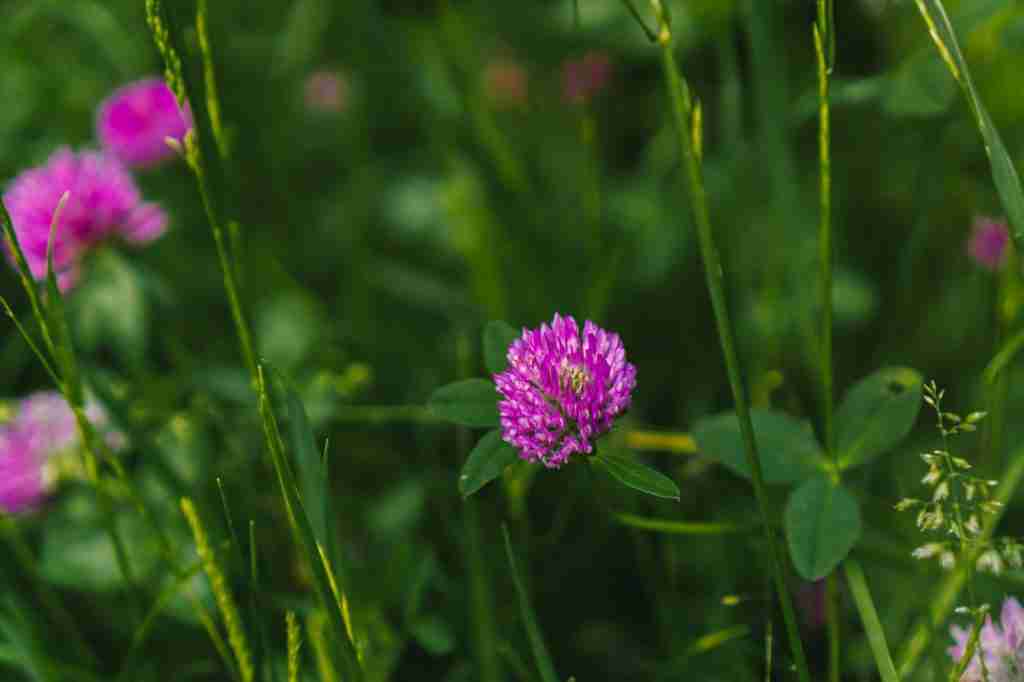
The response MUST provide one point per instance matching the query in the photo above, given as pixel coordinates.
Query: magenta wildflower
(35, 444)
(326, 92)
(103, 201)
(562, 389)
(989, 239)
(134, 123)
(584, 78)
(1001, 645)
(22, 481)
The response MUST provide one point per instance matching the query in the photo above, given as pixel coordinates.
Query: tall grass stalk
(206, 137)
(687, 119)
(225, 600)
(824, 49)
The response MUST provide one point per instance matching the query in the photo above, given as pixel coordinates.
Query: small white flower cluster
(958, 501)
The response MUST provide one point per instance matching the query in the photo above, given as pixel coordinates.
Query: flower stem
(824, 48)
(687, 117)
(825, 230)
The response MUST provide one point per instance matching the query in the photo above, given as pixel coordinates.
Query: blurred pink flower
(103, 201)
(584, 78)
(42, 432)
(988, 242)
(507, 84)
(1001, 644)
(22, 484)
(326, 92)
(134, 123)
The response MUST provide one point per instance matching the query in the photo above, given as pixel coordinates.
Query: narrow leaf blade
(1004, 173)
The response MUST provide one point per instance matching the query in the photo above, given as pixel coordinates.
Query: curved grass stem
(687, 121)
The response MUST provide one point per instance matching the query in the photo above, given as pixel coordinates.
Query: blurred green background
(380, 234)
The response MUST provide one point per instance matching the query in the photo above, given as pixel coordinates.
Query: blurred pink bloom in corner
(134, 123)
(988, 242)
(103, 201)
(327, 92)
(507, 84)
(1001, 645)
(584, 78)
(41, 434)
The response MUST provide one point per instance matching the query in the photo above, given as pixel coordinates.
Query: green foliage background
(379, 240)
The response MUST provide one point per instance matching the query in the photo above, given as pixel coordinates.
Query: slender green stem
(966, 553)
(869, 617)
(682, 527)
(825, 235)
(677, 443)
(686, 115)
(1005, 311)
(541, 657)
(824, 42)
(382, 415)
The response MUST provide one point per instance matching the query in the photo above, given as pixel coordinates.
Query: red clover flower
(327, 92)
(135, 122)
(989, 239)
(562, 389)
(584, 78)
(36, 444)
(103, 201)
(1001, 645)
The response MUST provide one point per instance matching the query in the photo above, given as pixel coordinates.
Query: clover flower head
(134, 123)
(326, 92)
(1001, 644)
(38, 442)
(22, 481)
(563, 388)
(988, 242)
(102, 201)
(584, 78)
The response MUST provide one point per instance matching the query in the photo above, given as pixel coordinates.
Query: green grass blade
(1004, 173)
(341, 645)
(683, 111)
(28, 282)
(36, 350)
(869, 617)
(540, 651)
